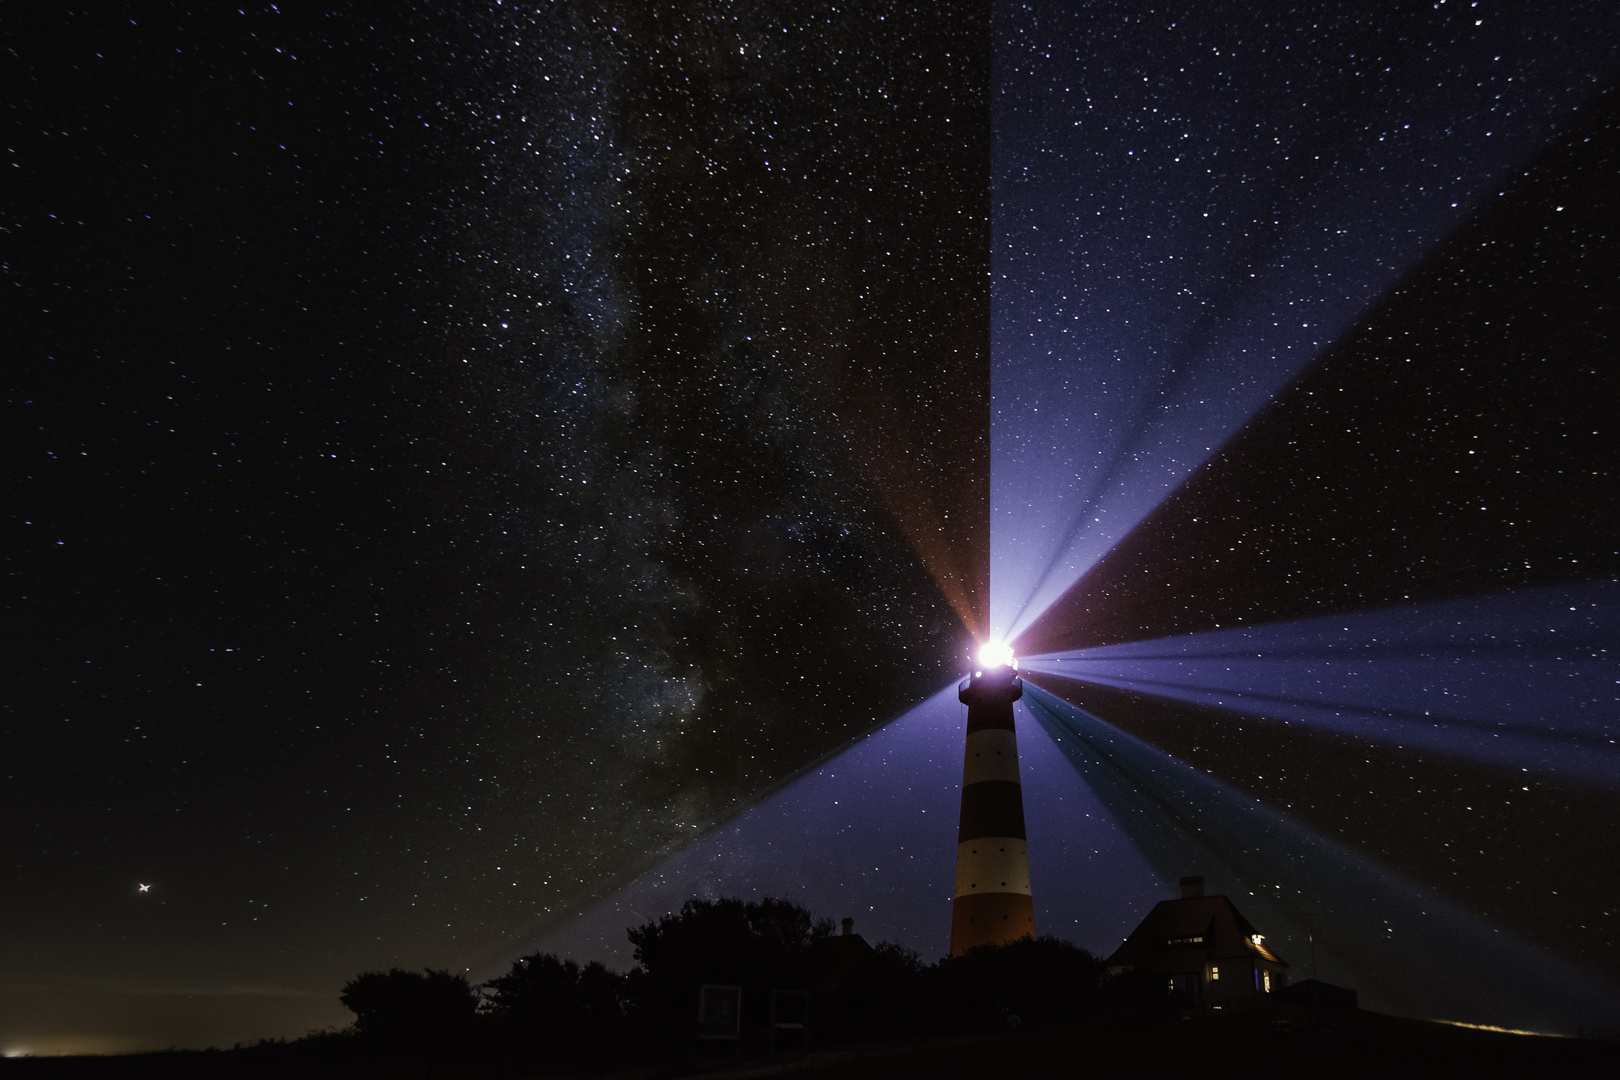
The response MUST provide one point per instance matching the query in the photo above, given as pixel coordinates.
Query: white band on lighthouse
(992, 864)
(992, 754)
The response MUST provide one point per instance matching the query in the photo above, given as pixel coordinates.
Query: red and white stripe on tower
(992, 904)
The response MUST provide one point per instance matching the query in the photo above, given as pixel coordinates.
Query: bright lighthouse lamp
(996, 654)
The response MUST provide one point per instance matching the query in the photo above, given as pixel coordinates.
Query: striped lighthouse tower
(993, 904)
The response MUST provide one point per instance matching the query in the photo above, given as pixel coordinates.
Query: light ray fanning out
(1406, 948)
(1504, 679)
(1166, 259)
(871, 833)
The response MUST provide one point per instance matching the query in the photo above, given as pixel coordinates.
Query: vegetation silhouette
(556, 1006)
(785, 960)
(1036, 980)
(412, 1008)
(549, 1015)
(760, 946)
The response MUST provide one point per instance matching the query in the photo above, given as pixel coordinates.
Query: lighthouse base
(991, 919)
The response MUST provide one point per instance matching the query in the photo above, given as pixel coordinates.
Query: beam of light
(922, 486)
(1405, 948)
(1166, 258)
(1505, 679)
(871, 833)
(874, 826)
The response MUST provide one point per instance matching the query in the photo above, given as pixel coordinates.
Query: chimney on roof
(849, 927)
(1192, 887)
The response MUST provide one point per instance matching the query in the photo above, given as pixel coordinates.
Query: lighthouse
(992, 904)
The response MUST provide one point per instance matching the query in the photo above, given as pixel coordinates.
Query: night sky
(466, 457)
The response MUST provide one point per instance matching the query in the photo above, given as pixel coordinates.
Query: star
(145, 888)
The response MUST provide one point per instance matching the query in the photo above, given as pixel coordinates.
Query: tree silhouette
(411, 1007)
(556, 1003)
(728, 940)
(760, 946)
(1034, 980)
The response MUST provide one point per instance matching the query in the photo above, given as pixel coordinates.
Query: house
(1203, 951)
(842, 961)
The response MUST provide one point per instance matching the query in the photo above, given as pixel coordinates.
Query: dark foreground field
(1283, 1042)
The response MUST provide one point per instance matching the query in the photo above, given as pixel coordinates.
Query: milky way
(1302, 500)
(468, 452)
(477, 464)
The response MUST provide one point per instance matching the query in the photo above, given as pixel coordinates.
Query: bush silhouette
(852, 991)
(1033, 979)
(729, 940)
(761, 946)
(556, 1003)
(411, 1007)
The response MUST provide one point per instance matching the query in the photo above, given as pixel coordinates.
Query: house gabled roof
(1185, 934)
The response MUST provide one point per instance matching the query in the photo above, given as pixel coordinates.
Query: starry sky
(487, 473)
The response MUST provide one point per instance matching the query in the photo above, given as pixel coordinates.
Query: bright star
(145, 888)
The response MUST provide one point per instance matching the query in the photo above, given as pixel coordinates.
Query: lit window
(1214, 974)
(1268, 982)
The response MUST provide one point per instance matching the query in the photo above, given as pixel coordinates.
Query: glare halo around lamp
(997, 654)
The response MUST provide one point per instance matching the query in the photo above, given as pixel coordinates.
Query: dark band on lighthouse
(992, 902)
